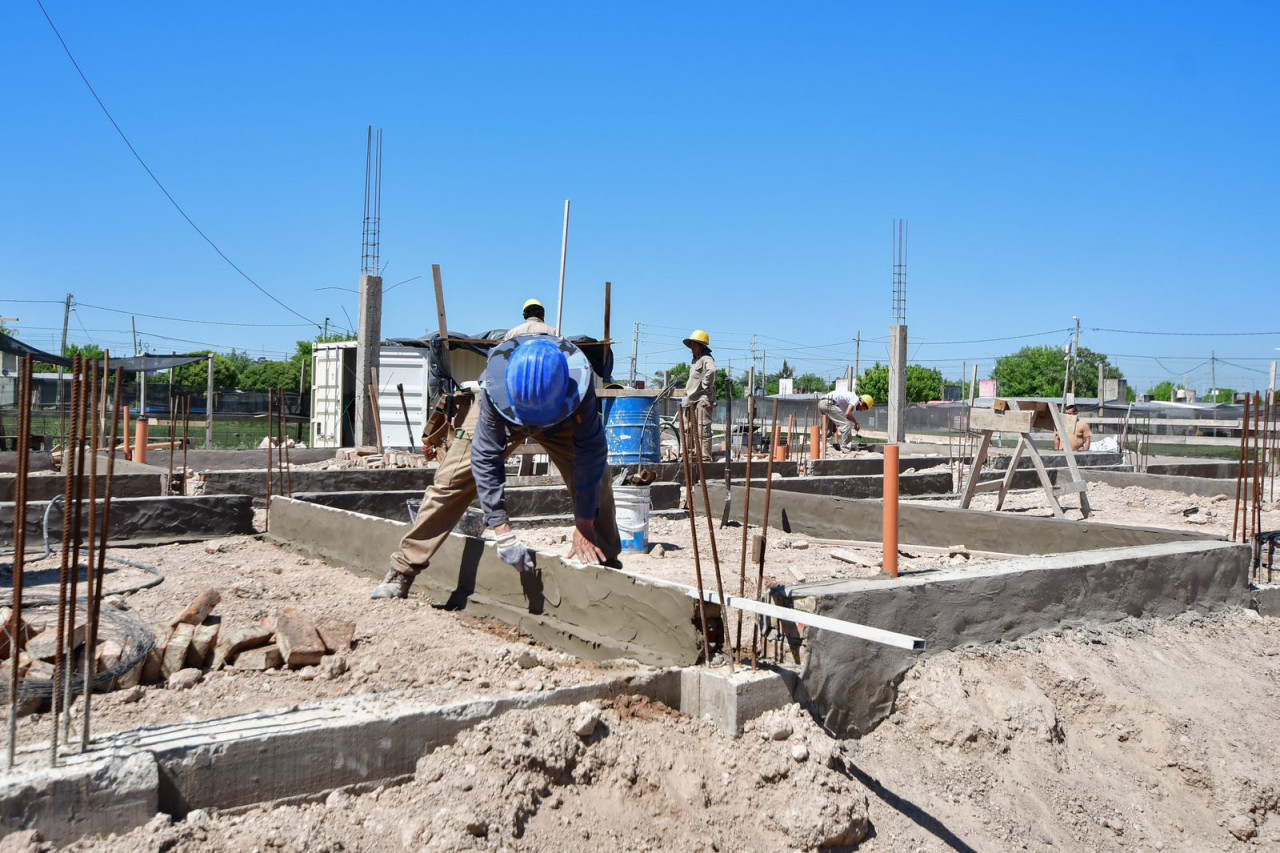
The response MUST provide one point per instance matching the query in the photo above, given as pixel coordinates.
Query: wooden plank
(1009, 474)
(1072, 467)
(976, 470)
(1044, 477)
(1010, 421)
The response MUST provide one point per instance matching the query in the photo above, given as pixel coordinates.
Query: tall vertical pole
(1075, 357)
(607, 354)
(66, 319)
(1102, 386)
(635, 350)
(368, 342)
(564, 253)
(857, 360)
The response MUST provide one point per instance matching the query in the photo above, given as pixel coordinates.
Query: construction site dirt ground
(1146, 734)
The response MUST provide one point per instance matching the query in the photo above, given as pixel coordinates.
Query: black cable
(147, 168)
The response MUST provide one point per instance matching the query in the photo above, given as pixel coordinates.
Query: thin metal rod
(683, 413)
(764, 530)
(288, 467)
(168, 486)
(68, 473)
(186, 424)
(746, 514)
(91, 556)
(19, 544)
(95, 602)
(282, 433)
(77, 536)
(270, 407)
(564, 254)
(711, 536)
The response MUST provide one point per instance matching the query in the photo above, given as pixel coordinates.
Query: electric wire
(156, 180)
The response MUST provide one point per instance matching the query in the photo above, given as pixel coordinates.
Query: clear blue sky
(732, 166)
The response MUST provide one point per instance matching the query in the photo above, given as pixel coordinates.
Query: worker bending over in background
(538, 386)
(839, 406)
(700, 392)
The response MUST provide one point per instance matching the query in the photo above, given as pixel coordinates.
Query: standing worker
(839, 406)
(535, 322)
(700, 392)
(538, 386)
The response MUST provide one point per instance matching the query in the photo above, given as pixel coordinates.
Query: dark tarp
(10, 344)
(152, 363)
(598, 354)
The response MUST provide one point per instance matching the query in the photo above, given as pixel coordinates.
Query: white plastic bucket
(631, 508)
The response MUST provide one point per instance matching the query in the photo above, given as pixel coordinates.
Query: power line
(147, 168)
(1190, 334)
(79, 304)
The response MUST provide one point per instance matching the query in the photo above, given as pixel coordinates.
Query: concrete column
(367, 349)
(897, 383)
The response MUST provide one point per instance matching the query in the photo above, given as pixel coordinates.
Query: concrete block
(297, 639)
(732, 700)
(147, 521)
(1266, 600)
(90, 796)
(853, 683)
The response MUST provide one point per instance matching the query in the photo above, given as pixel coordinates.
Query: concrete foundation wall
(1183, 485)
(254, 481)
(199, 459)
(35, 461)
(842, 518)
(143, 521)
(938, 483)
(561, 604)
(48, 486)
(853, 683)
(522, 502)
(1224, 470)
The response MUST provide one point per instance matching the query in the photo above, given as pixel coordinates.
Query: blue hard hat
(537, 378)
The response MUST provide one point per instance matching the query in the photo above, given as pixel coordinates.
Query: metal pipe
(890, 560)
(683, 413)
(270, 411)
(19, 544)
(715, 556)
(408, 427)
(91, 555)
(1244, 440)
(168, 486)
(564, 253)
(282, 435)
(186, 440)
(68, 473)
(94, 603)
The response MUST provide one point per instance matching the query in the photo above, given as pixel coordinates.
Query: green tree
(1164, 391)
(1039, 372)
(195, 377)
(269, 375)
(923, 383)
(89, 351)
(1222, 395)
(812, 383)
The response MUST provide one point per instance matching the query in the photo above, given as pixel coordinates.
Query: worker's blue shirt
(489, 450)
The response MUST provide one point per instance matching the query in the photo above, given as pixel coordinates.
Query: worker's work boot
(394, 585)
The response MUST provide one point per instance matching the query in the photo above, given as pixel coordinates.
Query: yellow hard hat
(533, 303)
(697, 336)
(867, 400)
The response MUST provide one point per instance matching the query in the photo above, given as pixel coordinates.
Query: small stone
(584, 724)
(1242, 827)
(781, 730)
(116, 602)
(133, 694)
(198, 817)
(527, 660)
(184, 679)
(657, 551)
(800, 753)
(214, 547)
(800, 544)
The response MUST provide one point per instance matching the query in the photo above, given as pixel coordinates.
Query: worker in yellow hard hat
(839, 407)
(534, 321)
(700, 391)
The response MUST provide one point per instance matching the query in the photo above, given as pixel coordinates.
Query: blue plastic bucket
(631, 509)
(632, 430)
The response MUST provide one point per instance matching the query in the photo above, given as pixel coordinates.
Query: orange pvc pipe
(127, 453)
(891, 510)
(791, 431)
(140, 442)
(815, 448)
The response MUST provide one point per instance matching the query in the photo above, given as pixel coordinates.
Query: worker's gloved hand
(514, 553)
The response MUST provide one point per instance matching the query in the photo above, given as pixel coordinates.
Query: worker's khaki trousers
(703, 411)
(832, 410)
(454, 488)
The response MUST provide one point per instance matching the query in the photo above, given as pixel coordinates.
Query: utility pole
(857, 360)
(66, 318)
(764, 370)
(753, 365)
(1213, 374)
(1075, 357)
(635, 351)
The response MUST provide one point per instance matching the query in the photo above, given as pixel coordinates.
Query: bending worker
(535, 322)
(538, 386)
(700, 392)
(839, 406)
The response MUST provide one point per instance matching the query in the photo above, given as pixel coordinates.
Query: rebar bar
(68, 473)
(76, 535)
(19, 544)
(288, 466)
(764, 530)
(168, 484)
(186, 424)
(270, 406)
(746, 517)
(715, 556)
(1240, 465)
(685, 440)
(94, 604)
